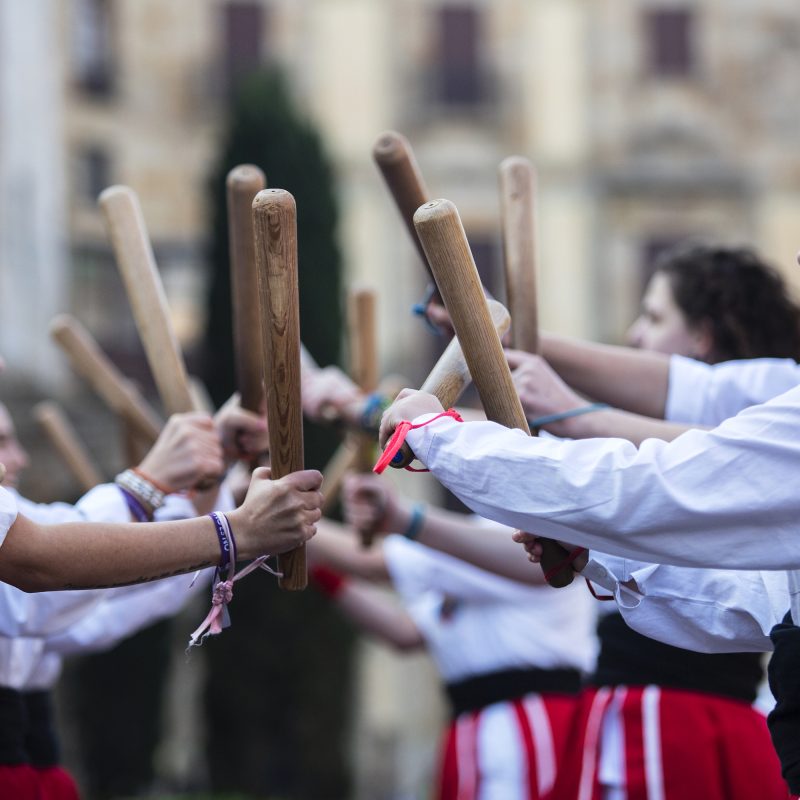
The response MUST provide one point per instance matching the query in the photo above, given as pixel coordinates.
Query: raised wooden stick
(275, 225)
(119, 394)
(243, 184)
(67, 444)
(517, 190)
(340, 463)
(442, 235)
(395, 159)
(364, 371)
(450, 374)
(137, 265)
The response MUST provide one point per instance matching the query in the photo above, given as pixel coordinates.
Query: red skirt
(56, 783)
(506, 751)
(676, 745)
(20, 782)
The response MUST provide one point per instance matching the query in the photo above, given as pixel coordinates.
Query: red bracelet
(399, 436)
(329, 581)
(162, 487)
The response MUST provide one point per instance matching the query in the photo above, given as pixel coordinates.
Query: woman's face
(662, 327)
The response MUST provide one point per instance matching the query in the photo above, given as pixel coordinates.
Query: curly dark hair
(744, 301)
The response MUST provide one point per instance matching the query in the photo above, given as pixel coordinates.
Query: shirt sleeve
(127, 611)
(706, 394)
(103, 503)
(415, 568)
(705, 610)
(719, 498)
(8, 512)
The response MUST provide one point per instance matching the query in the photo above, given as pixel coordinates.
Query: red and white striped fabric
(506, 751)
(670, 745)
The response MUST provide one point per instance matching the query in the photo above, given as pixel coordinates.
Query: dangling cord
(399, 436)
(223, 589)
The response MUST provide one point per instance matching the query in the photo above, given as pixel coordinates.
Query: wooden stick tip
(435, 209)
(61, 322)
(390, 147)
(111, 193)
(246, 176)
(44, 410)
(270, 200)
(513, 163)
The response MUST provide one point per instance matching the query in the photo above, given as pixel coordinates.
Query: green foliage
(278, 694)
(266, 130)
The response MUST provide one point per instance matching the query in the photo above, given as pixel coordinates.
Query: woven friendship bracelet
(227, 544)
(144, 492)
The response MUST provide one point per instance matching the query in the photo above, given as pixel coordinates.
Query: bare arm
(370, 501)
(276, 516)
(543, 394)
(634, 380)
(375, 614)
(338, 547)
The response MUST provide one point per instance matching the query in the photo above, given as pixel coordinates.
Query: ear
(702, 342)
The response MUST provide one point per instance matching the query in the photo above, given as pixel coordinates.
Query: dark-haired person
(691, 711)
(728, 738)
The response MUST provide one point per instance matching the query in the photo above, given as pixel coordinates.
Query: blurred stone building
(648, 121)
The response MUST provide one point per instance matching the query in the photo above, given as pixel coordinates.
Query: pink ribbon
(221, 596)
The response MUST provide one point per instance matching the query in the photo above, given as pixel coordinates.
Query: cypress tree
(277, 712)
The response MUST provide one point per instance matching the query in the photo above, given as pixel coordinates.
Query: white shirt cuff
(420, 439)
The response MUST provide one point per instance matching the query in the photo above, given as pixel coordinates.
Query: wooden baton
(67, 444)
(275, 225)
(364, 371)
(395, 159)
(243, 184)
(450, 375)
(442, 235)
(137, 265)
(118, 393)
(517, 191)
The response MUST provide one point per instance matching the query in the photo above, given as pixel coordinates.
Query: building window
(669, 40)
(92, 47)
(243, 28)
(459, 74)
(93, 173)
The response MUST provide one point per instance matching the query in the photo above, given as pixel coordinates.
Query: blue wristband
(416, 522)
(573, 412)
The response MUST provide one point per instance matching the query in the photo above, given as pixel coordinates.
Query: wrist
(141, 494)
(241, 529)
(416, 521)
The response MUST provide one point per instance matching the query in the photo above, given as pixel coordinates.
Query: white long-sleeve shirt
(475, 622)
(700, 500)
(37, 630)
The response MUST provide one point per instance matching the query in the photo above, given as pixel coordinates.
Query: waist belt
(13, 722)
(496, 687)
(41, 741)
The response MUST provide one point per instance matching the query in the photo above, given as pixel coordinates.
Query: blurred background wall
(648, 121)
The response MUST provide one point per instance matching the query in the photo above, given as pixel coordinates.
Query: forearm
(615, 424)
(678, 503)
(476, 542)
(338, 547)
(84, 556)
(375, 614)
(625, 378)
